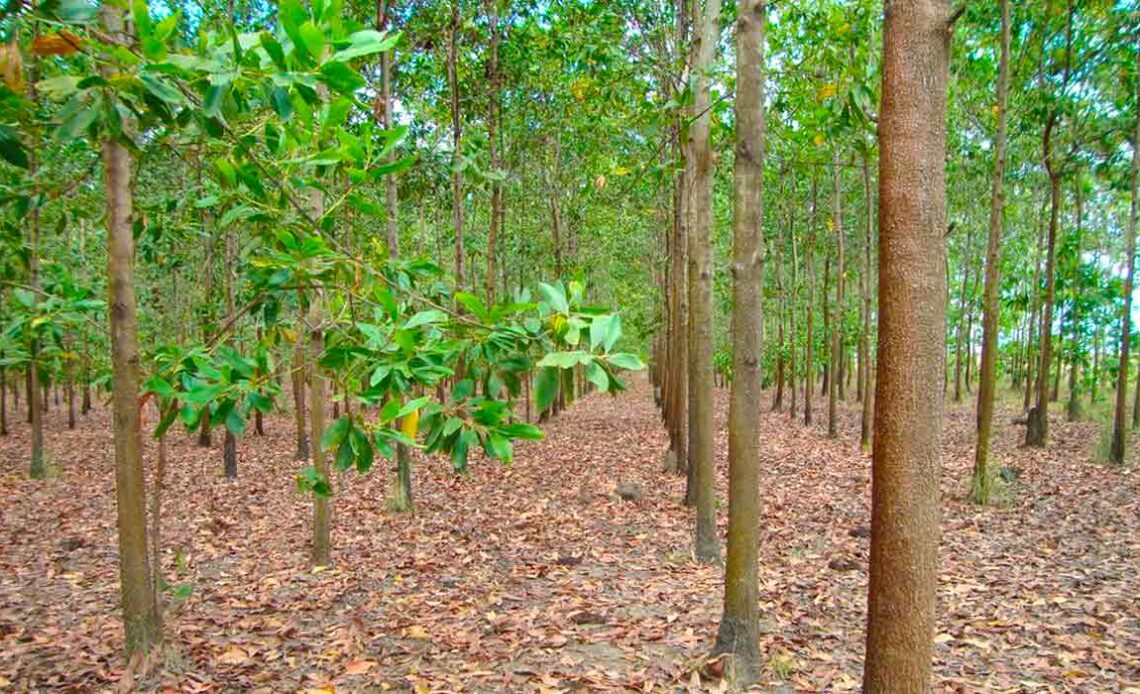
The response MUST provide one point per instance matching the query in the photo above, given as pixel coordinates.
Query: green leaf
(282, 104)
(160, 88)
(341, 77)
(597, 375)
(313, 38)
(364, 43)
(158, 385)
(336, 433)
(520, 430)
(625, 360)
(564, 360)
(545, 387)
(605, 331)
(499, 446)
(555, 297)
(11, 149)
(425, 317)
(235, 423)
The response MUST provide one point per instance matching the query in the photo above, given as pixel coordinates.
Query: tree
(701, 413)
(987, 379)
(912, 339)
(139, 603)
(1119, 424)
(738, 635)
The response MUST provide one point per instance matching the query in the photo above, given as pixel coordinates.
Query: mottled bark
(912, 347)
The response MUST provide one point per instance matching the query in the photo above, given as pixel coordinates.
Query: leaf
(417, 632)
(234, 656)
(425, 318)
(313, 38)
(11, 149)
(364, 43)
(624, 360)
(62, 42)
(555, 297)
(359, 667)
(545, 387)
(341, 77)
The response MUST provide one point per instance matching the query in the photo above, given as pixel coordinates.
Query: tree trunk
(141, 621)
(457, 143)
(739, 633)
(809, 270)
(298, 379)
(492, 144)
(37, 401)
(865, 336)
(1119, 428)
(987, 380)
(778, 400)
(701, 413)
(833, 393)
(912, 347)
(960, 333)
(391, 194)
(793, 332)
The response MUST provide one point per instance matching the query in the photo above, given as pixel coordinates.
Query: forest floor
(537, 577)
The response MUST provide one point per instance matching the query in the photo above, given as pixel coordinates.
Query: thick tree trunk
(912, 347)
(738, 635)
(987, 380)
(701, 410)
(140, 612)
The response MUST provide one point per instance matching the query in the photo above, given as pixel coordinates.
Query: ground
(539, 577)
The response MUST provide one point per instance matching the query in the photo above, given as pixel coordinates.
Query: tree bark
(809, 270)
(980, 486)
(865, 428)
(836, 384)
(738, 634)
(140, 612)
(912, 347)
(457, 143)
(1119, 426)
(701, 410)
(492, 145)
(37, 401)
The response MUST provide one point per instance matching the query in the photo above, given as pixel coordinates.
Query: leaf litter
(542, 577)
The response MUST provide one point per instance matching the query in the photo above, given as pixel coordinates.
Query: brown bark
(457, 143)
(701, 412)
(809, 270)
(492, 145)
(865, 428)
(739, 631)
(1119, 428)
(37, 401)
(836, 384)
(912, 347)
(987, 379)
(140, 614)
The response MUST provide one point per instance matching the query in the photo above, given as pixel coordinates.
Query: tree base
(1035, 428)
(739, 645)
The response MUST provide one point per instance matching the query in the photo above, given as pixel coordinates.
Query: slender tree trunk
(3, 398)
(912, 347)
(959, 336)
(299, 383)
(1119, 429)
(836, 385)
(778, 400)
(37, 401)
(987, 380)
(137, 598)
(391, 193)
(1037, 428)
(457, 143)
(825, 301)
(492, 146)
(678, 375)
(1034, 321)
(701, 412)
(865, 337)
(809, 270)
(739, 633)
(793, 331)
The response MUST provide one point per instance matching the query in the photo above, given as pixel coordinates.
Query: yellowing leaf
(62, 43)
(621, 171)
(819, 140)
(416, 632)
(826, 92)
